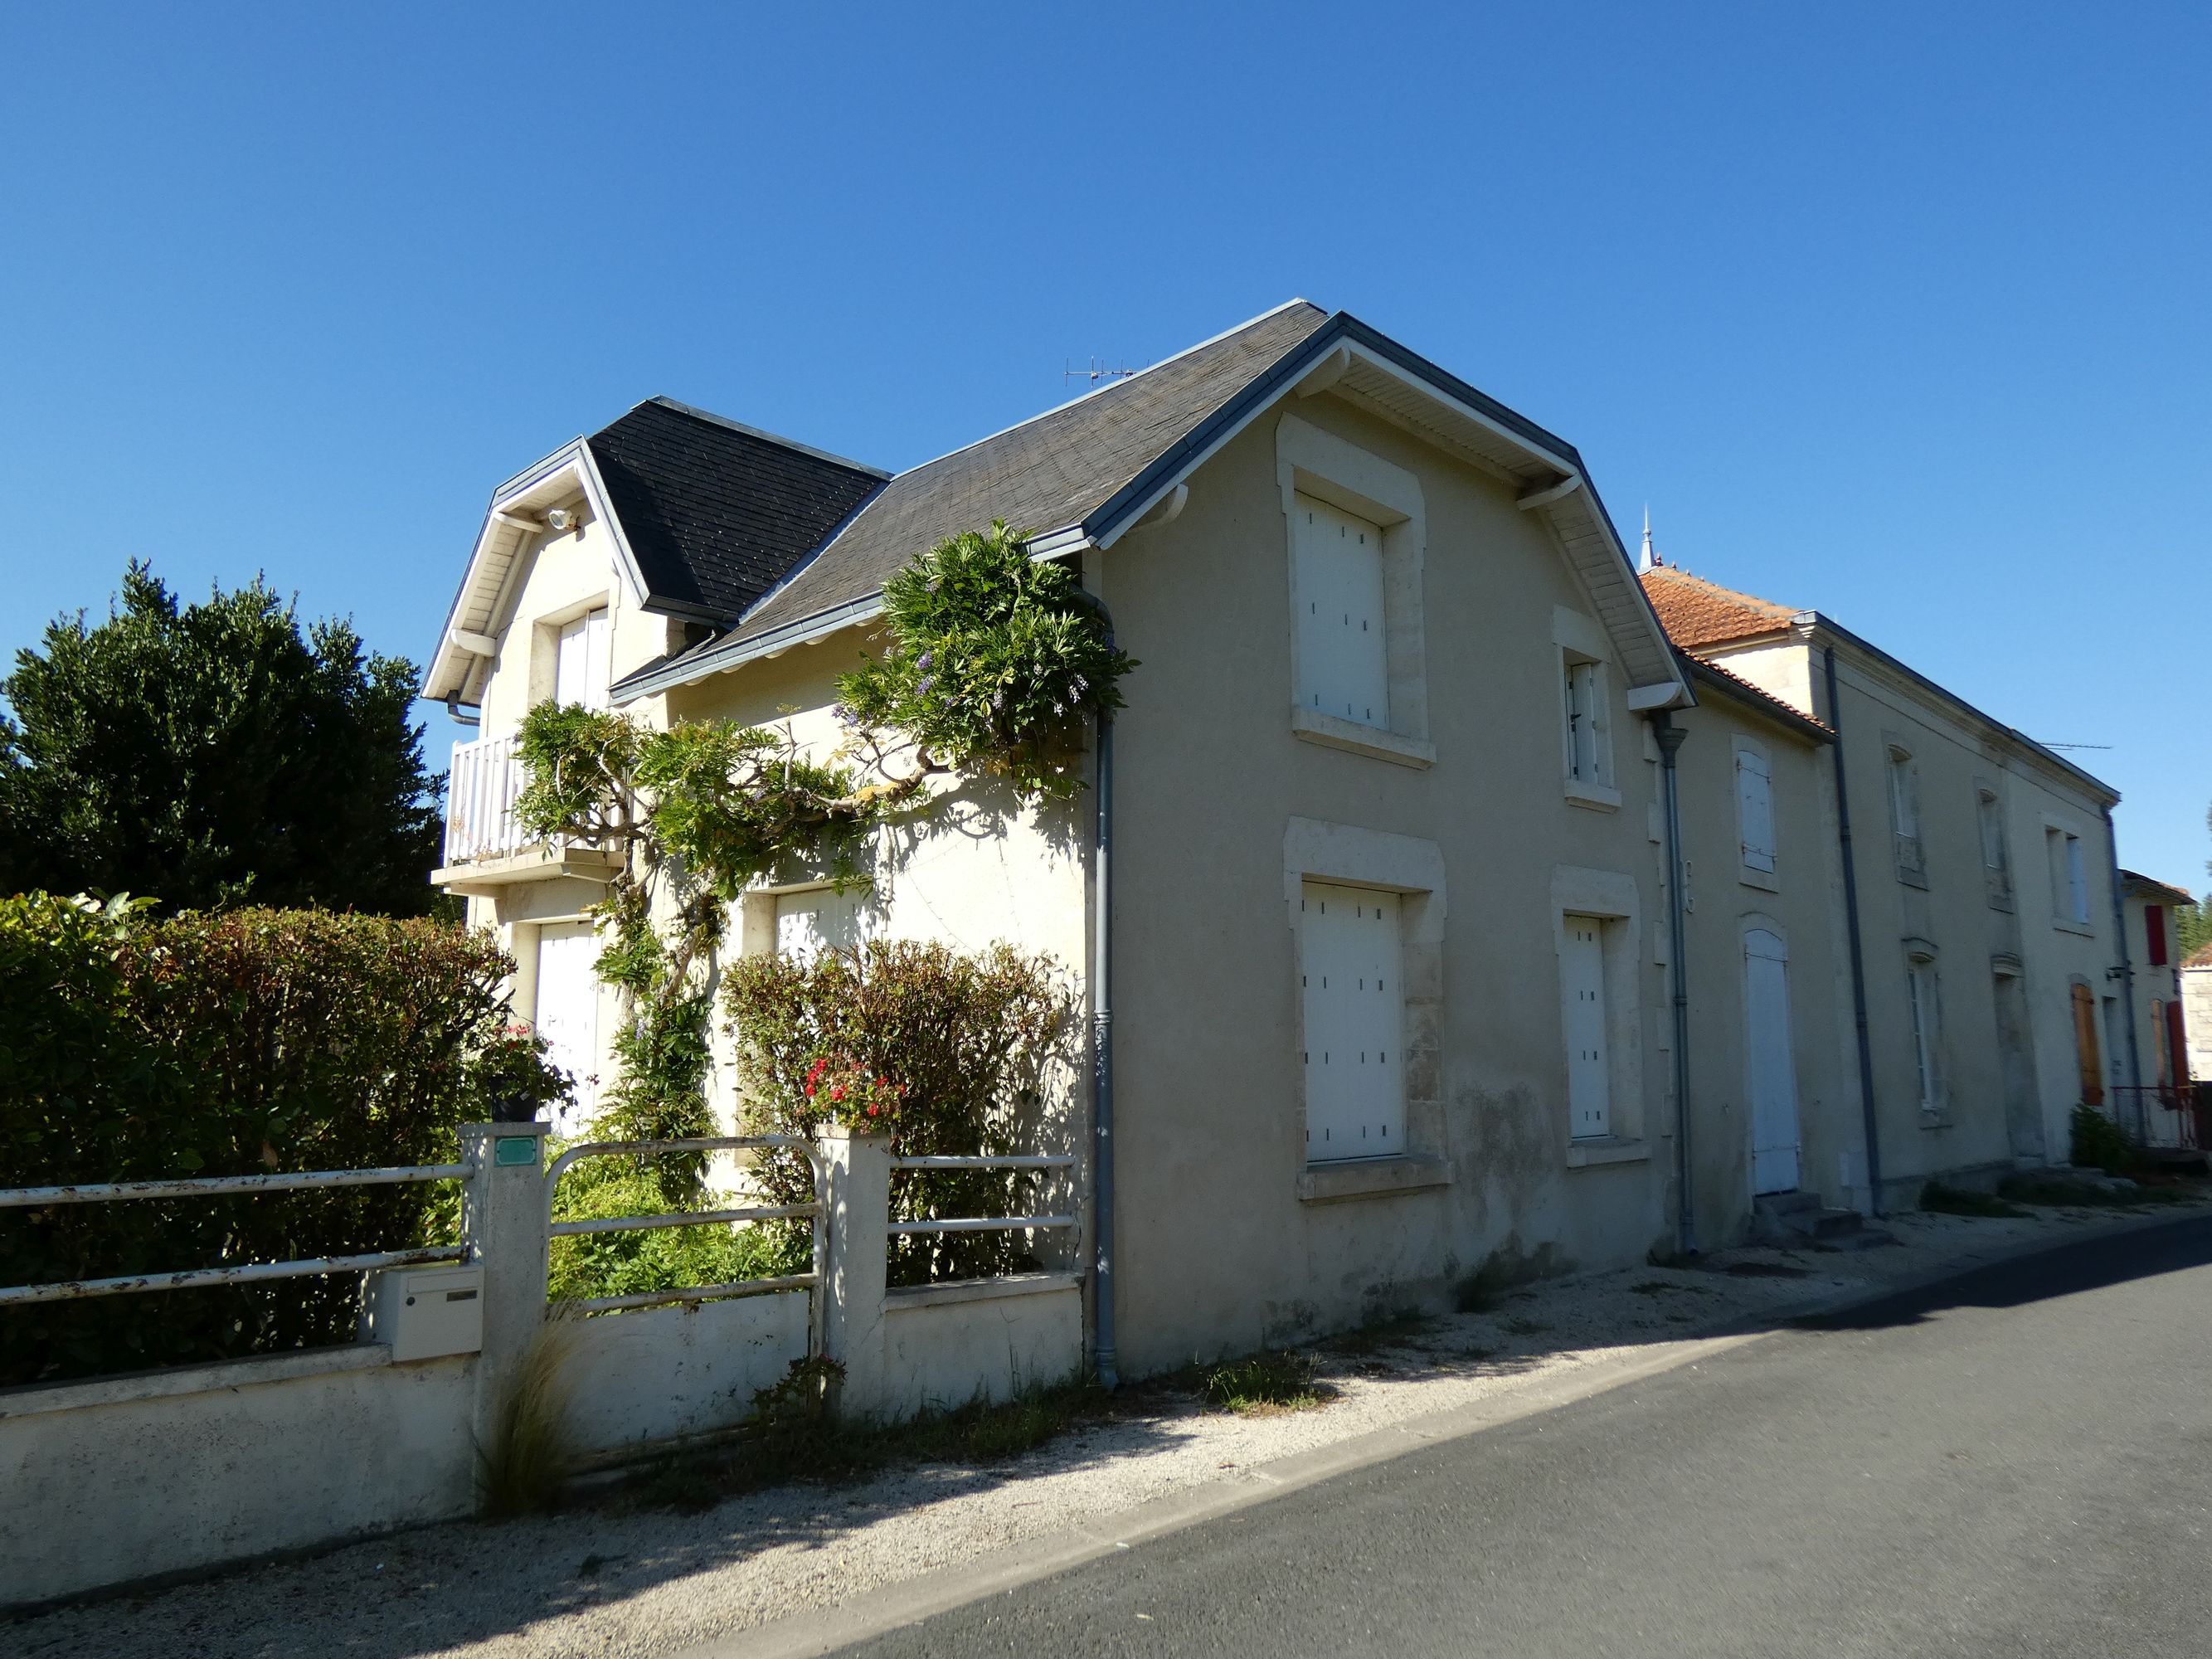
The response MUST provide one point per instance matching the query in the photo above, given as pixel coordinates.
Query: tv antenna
(1097, 371)
(2077, 745)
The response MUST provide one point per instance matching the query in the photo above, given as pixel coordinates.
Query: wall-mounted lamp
(560, 521)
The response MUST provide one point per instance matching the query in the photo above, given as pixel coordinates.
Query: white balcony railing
(480, 793)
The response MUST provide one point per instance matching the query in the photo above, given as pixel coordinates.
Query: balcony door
(568, 1016)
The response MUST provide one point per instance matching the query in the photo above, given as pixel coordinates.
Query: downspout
(1858, 950)
(1102, 1055)
(2137, 1125)
(1670, 737)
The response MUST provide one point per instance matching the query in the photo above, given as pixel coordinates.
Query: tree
(206, 753)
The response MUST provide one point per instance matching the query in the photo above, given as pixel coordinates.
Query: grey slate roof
(1045, 474)
(715, 513)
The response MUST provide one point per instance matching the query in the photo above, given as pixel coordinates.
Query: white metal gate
(1354, 1022)
(1773, 1072)
(1581, 995)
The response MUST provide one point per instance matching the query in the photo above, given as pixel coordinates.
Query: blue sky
(1896, 311)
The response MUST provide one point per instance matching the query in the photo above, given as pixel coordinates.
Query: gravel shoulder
(603, 1581)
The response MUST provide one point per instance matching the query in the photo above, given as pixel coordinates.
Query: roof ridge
(724, 421)
(1722, 587)
(1114, 386)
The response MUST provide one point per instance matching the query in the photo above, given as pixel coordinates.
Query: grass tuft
(520, 1470)
(1957, 1200)
(2064, 1190)
(1267, 1382)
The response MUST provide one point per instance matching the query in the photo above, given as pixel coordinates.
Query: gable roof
(1082, 474)
(705, 515)
(715, 513)
(2159, 892)
(1698, 612)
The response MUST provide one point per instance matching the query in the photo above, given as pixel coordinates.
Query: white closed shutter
(568, 1015)
(1581, 995)
(1754, 801)
(820, 919)
(1354, 1022)
(584, 667)
(1337, 564)
(1772, 1063)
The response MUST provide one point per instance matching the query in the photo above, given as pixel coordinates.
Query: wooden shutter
(2155, 934)
(2077, 880)
(2085, 1047)
(1582, 997)
(1754, 803)
(1927, 1033)
(1354, 1022)
(1343, 663)
(1771, 1064)
(2177, 1044)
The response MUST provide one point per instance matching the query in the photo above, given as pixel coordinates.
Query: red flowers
(849, 1094)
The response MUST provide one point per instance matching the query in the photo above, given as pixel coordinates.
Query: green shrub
(659, 1258)
(1271, 1380)
(964, 1037)
(242, 1043)
(1943, 1199)
(2100, 1143)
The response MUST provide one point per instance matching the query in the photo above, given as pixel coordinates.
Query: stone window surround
(1580, 640)
(1314, 850)
(1910, 852)
(1313, 462)
(1614, 898)
(1923, 954)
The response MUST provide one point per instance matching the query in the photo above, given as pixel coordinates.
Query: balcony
(486, 847)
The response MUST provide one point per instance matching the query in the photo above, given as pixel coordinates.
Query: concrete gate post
(858, 1200)
(503, 1224)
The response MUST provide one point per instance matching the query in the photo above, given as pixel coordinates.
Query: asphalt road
(2013, 1462)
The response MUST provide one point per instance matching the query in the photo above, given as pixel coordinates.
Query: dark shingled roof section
(715, 513)
(1045, 474)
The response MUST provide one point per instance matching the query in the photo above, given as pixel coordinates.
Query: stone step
(1782, 1204)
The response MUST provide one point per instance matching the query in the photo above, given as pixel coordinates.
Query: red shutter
(2176, 1043)
(2154, 933)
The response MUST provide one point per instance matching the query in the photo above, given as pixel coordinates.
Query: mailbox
(424, 1312)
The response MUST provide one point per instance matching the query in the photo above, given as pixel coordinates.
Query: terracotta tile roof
(1697, 613)
(1758, 697)
(2199, 958)
(2137, 885)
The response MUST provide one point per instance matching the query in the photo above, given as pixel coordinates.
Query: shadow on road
(2067, 1269)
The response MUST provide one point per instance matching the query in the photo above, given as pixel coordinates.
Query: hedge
(238, 1043)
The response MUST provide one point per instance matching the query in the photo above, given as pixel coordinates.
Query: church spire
(1651, 560)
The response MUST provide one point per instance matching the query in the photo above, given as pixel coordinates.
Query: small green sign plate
(515, 1149)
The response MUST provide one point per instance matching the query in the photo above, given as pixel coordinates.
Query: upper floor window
(2069, 876)
(583, 665)
(2155, 935)
(1755, 809)
(1905, 816)
(1588, 750)
(1996, 865)
(1343, 658)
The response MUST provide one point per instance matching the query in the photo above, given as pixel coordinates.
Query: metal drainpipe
(1670, 737)
(2137, 1125)
(1858, 952)
(1102, 1070)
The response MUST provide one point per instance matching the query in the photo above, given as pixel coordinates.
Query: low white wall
(657, 1373)
(124, 1477)
(945, 1344)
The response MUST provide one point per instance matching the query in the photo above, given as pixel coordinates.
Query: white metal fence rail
(41, 1198)
(985, 1223)
(480, 795)
(812, 1281)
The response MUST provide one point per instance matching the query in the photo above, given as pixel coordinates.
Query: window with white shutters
(1582, 996)
(1905, 816)
(2069, 876)
(1343, 658)
(818, 920)
(1754, 810)
(1354, 1022)
(1584, 703)
(583, 669)
(1996, 861)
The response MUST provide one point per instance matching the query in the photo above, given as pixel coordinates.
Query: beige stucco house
(1440, 877)
(2161, 1035)
(1980, 992)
